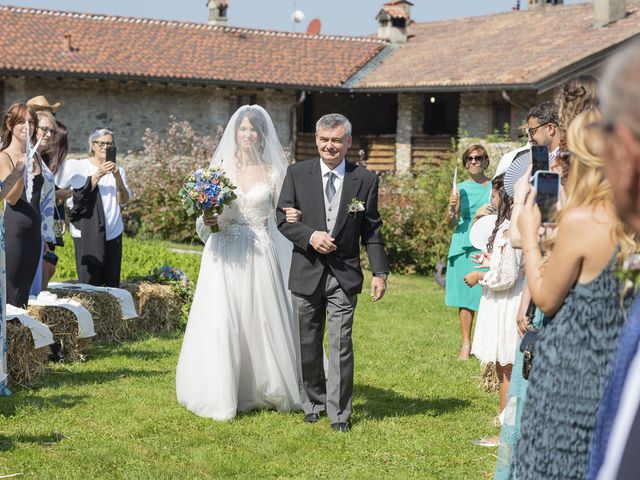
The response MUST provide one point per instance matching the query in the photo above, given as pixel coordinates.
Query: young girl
(496, 333)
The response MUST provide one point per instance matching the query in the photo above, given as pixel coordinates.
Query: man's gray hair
(333, 120)
(99, 132)
(620, 87)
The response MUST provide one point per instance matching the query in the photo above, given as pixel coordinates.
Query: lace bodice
(506, 265)
(250, 211)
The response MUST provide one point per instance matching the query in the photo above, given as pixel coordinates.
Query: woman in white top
(100, 189)
(496, 336)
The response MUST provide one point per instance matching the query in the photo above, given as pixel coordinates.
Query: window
(501, 117)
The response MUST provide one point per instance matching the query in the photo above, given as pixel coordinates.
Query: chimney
(393, 20)
(608, 11)
(533, 4)
(67, 46)
(217, 12)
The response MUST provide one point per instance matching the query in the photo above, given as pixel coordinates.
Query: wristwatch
(383, 276)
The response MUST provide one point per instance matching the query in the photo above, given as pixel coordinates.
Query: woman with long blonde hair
(583, 302)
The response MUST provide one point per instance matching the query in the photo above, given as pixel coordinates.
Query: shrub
(413, 209)
(155, 210)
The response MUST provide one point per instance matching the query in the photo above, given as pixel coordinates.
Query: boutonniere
(355, 206)
(629, 272)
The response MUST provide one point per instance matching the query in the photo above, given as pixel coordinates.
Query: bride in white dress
(239, 350)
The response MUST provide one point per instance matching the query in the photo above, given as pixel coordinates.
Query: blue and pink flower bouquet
(206, 191)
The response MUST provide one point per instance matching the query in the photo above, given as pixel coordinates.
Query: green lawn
(416, 407)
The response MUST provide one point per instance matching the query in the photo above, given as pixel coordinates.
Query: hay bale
(489, 378)
(158, 307)
(105, 310)
(64, 326)
(25, 362)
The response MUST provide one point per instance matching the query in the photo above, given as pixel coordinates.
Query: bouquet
(206, 191)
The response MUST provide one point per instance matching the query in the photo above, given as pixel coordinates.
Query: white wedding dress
(239, 352)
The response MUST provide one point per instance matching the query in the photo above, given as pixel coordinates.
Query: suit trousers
(331, 304)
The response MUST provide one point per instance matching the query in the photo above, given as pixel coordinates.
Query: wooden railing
(428, 151)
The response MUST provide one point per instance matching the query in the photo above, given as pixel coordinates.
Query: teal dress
(473, 195)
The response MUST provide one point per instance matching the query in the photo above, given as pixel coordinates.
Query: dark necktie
(330, 189)
(627, 347)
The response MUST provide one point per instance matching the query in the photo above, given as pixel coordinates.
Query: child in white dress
(496, 335)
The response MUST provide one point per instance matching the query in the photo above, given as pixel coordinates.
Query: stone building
(408, 91)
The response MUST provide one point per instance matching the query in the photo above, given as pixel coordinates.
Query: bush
(413, 210)
(155, 210)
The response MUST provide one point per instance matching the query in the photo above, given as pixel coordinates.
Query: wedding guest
(576, 95)
(496, 335)
(464, 203)
(100, 189)
(40, 103)
(22, 215)
(578, 287)
(46, 135)
(6, 187)
(542, 128)
(616, 442)
(53, 159)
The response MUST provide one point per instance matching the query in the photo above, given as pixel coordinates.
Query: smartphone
(539, 158)
(50, 257)
(111, 154)
(547, 187)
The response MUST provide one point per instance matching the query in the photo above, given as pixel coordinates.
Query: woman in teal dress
(471, 198)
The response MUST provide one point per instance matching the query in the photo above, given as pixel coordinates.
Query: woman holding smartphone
(99, 190)
(466, 200)
(582, 299)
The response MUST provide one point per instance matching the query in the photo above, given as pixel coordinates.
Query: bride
(239, 351)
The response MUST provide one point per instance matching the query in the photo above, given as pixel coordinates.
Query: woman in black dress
(22, 217)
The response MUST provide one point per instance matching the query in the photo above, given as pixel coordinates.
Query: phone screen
(547, 186)
(539, 158)
(111, 154)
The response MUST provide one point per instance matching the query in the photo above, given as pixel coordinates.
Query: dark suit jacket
(302, 189)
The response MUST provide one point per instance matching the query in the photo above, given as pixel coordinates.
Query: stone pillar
(409, 105)
(475, 114)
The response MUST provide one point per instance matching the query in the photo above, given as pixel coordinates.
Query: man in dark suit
(339, 204)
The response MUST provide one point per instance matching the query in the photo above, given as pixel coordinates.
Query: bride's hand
(293, 215)
(210, 220)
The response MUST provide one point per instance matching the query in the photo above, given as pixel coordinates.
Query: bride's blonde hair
(587, 185)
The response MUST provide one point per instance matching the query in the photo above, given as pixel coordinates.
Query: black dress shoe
(311, 417)
(340, 427)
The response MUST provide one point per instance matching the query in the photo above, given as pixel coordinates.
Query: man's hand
(378, 287)
(322, 242)
(523, 324)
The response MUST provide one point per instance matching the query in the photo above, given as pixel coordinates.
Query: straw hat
(41, 103)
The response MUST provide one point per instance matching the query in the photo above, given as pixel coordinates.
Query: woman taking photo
(464, 203)
(22, 215)
(100, 189)
(582, 299)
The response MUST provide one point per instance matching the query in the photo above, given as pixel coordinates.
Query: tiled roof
(395, 12)
(32, 41)
(514, 48)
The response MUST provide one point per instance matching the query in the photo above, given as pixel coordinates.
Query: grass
(416, 408)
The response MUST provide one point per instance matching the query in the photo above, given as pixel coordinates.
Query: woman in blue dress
(470, 198)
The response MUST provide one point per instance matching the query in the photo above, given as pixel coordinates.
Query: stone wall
(132, 107)
(475, 114)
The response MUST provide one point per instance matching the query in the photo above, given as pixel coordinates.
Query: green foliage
(416, 410)
(413, 209)
(155, 210)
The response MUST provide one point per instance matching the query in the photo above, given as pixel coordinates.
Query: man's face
(333, 144)
(540, 133)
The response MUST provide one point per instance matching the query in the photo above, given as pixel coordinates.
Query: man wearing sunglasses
(542, 128)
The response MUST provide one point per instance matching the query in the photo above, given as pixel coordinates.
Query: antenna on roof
(517, 7)
(297, 16)
(314, 27)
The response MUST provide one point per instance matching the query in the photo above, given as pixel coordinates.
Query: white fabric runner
(41, 334)
(85, 321)
(124, 297)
